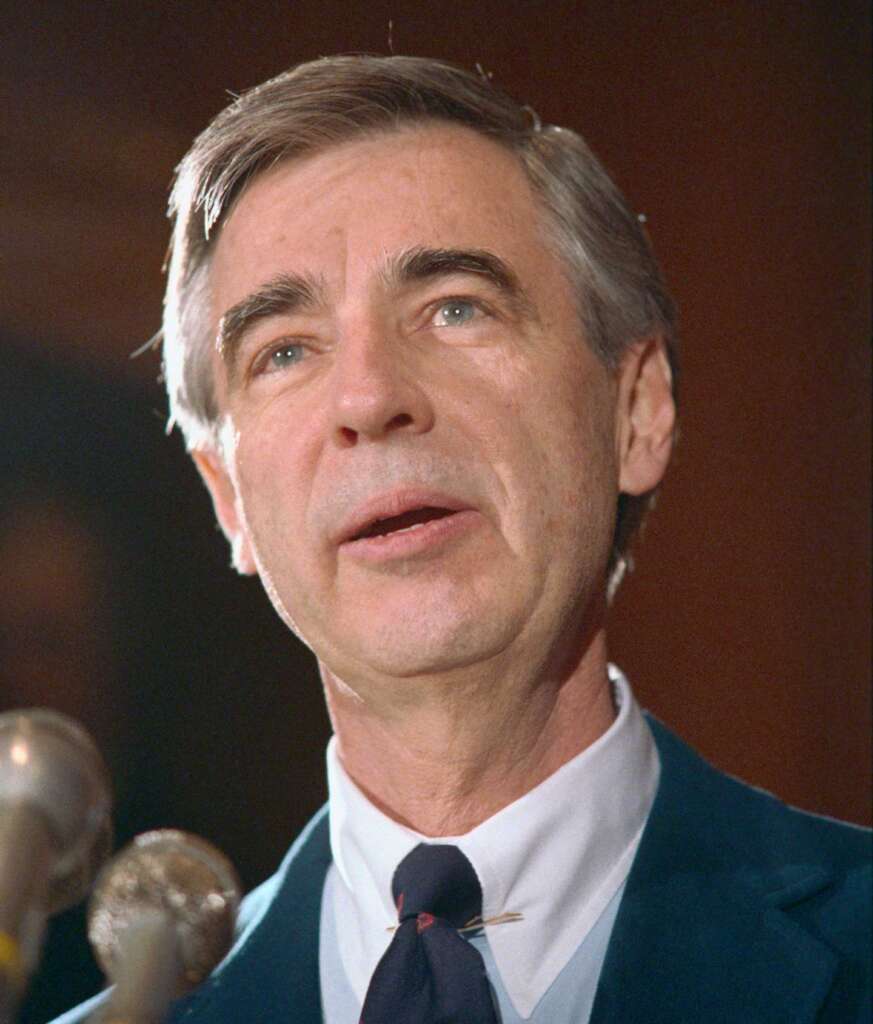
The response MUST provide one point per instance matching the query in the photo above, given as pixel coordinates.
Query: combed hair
(620, 291)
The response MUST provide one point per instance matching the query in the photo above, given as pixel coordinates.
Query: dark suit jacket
(737, 909)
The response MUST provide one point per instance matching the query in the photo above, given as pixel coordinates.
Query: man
(424, 361)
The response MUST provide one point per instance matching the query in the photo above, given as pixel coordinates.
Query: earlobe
(228, 511)
(647, 416)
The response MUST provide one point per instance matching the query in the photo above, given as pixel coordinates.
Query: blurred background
(741, 130)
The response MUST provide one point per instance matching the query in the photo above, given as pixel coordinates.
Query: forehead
(339, 213)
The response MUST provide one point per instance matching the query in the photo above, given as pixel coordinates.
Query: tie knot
(438, 880)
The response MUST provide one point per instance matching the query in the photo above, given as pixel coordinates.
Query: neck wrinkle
(444, 766)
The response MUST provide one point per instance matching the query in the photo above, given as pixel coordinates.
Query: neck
(457, 753)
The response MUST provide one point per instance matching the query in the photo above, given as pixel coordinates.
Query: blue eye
(455, 313)
(287, 355)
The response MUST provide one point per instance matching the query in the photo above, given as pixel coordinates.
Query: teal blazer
(737, 909)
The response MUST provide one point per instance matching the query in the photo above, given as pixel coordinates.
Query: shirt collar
(557, 855)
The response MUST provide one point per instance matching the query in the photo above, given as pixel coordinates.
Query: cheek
(564, 458)
(274, 491)
(272, 483)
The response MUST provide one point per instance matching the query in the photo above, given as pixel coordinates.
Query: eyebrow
(282, 295)
(422, 264)
(286, 294)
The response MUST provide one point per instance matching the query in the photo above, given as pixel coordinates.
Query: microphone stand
(150, 951)
(26, 855)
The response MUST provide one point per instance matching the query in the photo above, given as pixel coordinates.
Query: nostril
(349, 436)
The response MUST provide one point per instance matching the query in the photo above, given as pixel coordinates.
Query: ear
(646, 416)
(228, 509)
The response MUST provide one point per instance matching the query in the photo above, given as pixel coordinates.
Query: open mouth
(406, 521)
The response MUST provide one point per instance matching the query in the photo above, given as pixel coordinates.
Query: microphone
(54, 833)
(161, 916)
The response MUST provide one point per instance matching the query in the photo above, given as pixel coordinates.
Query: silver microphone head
(175, 874)
(50, 764)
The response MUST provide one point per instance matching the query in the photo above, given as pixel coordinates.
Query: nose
(376, 390)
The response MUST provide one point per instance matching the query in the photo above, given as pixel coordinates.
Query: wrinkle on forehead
(435, 197)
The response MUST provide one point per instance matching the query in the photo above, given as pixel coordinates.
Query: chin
(414, 645)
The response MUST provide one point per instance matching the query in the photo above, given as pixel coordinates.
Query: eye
(455, 313)
(281, 357)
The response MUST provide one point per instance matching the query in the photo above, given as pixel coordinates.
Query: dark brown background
(741, 130)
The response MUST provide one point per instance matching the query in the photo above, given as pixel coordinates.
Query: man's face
(421, 454)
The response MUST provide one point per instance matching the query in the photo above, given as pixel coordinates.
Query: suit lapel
(700, 935)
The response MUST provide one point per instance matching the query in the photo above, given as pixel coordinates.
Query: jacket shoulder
(753, 822)
(818, 869)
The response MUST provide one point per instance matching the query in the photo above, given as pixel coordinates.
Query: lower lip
(420, 540)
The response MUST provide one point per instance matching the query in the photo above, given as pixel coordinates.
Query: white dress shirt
(558, 855)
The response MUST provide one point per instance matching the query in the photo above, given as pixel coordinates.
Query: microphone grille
(179, 875)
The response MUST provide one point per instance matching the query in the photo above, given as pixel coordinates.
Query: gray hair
(619, 287)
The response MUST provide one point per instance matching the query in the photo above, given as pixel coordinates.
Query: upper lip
(395, 503)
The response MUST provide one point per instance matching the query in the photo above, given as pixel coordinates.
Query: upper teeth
(406, 529)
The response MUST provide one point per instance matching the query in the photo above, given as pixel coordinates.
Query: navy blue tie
(430, 974)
